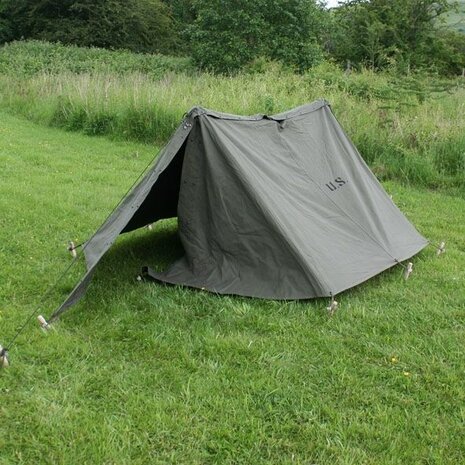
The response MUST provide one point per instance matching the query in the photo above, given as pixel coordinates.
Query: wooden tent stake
(408, 270)
(4, 362)
(72, 249)
(441, 248)
(43, 323)
(333, 305)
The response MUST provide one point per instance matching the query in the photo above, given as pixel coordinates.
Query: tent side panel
(291, 202)
(102, 240)
(364, 232)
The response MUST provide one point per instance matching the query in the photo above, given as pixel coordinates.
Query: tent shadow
(157, 248)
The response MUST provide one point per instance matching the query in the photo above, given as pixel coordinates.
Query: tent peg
(333, 305)
(72, 249)
(4, 361)
(139, 278)
(441, 248)
(408, 271)
(150, 226)
(44, 324)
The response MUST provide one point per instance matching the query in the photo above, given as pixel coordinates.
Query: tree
(296, 29)
(226, 35)
(379, 32)
(7, 25)
(137, 25)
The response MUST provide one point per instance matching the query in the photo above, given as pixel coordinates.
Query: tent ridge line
(198, 111)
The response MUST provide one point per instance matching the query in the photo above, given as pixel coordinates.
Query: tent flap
(104, 237)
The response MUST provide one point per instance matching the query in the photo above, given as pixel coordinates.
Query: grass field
(143, 374)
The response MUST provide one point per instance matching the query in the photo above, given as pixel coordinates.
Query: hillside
(456, 19)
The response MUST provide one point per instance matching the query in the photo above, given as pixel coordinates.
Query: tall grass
(411, 129)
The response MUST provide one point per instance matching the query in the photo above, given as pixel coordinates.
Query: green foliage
(137, 25)
(403, 34)
(225, 36)
(6, 25)
(183, 13)
(142, 122)
(397, 122)
(448, 51)
(34, 57)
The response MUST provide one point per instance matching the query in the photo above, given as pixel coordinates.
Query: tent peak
(302, 110)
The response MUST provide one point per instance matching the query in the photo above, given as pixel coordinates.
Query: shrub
(137, 25)
(33, 57)
(226, 36)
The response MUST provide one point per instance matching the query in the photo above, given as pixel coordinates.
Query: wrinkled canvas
(279, 207)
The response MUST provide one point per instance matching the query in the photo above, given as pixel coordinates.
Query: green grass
(139, 373)
(407, 128)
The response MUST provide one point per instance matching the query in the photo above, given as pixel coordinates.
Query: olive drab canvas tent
(278, 207)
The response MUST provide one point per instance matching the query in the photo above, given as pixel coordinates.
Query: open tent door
(162, 200)
(153, 198)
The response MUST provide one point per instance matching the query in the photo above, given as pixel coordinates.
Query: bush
(136, 25)
(226, 36)
(33, 57)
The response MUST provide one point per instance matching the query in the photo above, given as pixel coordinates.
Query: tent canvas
(278, 207)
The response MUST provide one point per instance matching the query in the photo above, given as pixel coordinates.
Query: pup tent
(278, 207)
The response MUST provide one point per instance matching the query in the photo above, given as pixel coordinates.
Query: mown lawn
(138, 373)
